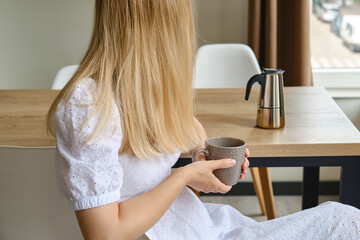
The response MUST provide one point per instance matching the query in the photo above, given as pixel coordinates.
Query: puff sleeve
(88, 173)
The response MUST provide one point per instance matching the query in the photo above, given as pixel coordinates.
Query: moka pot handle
(260, 78)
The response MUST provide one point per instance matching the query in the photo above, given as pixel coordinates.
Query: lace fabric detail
(329, 220)
(87, 171)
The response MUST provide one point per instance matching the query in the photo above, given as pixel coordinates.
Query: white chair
(231, 66)
(225, 66)
(63, 76)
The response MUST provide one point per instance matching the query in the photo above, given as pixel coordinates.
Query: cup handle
(197, 152)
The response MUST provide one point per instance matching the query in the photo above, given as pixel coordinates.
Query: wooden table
(317, 133)
(22, 117)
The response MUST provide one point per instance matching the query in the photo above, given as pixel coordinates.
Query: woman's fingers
(222, 163)
(247, 153)
(201, 175)
(245, 164)
(219, 164)
(244, 167)
(219, 186)
(201, 157)
(224, 189)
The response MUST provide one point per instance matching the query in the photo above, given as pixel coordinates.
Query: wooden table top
(315, 125)
(22, 117)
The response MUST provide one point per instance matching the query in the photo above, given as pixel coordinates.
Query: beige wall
(222, 21)
(38, 37)
(31, 207)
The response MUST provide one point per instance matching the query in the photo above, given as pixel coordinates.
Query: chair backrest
(225, 66)
(63, 76)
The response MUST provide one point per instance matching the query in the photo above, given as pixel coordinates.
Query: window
(335, 52)
(335, 34)
(335, 46)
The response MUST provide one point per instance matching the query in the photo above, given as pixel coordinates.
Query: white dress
(91, 174)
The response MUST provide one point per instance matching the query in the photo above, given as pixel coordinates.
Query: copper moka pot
(271, 111)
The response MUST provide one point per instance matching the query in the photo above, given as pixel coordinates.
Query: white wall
(38, 37)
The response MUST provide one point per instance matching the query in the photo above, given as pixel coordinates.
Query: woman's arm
(132, 218)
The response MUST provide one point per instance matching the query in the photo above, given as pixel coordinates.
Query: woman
(121, 123)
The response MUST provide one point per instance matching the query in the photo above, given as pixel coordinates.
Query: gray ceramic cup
(225, 147)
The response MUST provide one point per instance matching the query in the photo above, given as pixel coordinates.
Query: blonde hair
(141, 55)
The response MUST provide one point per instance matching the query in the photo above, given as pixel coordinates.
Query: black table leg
(350, 182)
(310, 187)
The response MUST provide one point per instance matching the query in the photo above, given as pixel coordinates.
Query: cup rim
(206, 141)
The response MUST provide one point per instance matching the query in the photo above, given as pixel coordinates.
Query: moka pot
(271, 109)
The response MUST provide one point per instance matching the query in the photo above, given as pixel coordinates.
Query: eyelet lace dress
(92, 174)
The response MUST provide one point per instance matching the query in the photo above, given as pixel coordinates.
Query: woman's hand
(245, 165)
(200, 175)
(199, 157)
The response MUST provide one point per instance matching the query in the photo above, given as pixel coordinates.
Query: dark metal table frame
(349, 182)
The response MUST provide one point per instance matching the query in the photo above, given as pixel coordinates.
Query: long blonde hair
(141, 55)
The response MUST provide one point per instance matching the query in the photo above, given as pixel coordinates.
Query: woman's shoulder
(83, 92)
(80, 99)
